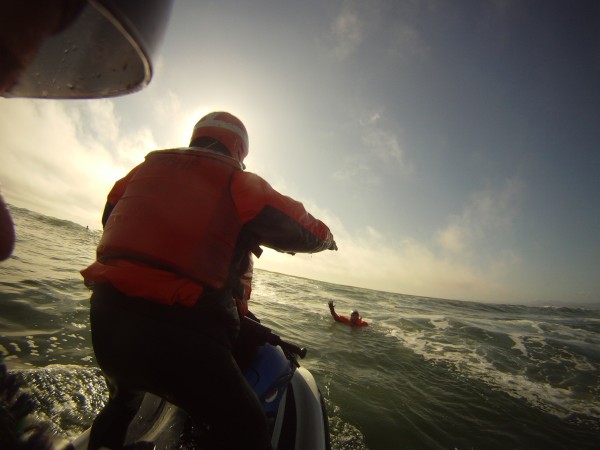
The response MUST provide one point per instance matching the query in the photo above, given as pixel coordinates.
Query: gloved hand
(330, 303)
(333, 246)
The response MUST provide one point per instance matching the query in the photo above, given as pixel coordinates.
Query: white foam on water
(519, 344)
(15, 346)
(441, 323)
(472, 359)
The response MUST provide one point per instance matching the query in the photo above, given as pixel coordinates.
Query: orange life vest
(359, 322)
(177, 214)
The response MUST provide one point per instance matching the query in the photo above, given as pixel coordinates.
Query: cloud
(446, 266)
(373, 154)
(390, 26)
(371, 260)
(354, 168)
(385, 145)
(407, 44)
(61, 158)
(488, 214)
(381, 138)
(347, 33)
(96, 121)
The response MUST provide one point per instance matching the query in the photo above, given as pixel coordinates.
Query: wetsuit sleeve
(116, 193)
(275, 220)
(343, 319)
(334, 314)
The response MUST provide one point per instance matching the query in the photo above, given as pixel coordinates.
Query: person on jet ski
(354, 321)
(172, 276)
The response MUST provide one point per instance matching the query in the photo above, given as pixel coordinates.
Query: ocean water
(427, 374)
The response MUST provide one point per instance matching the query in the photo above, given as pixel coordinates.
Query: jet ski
(288, 393)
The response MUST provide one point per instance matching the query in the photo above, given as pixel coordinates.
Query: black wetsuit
(178, 353)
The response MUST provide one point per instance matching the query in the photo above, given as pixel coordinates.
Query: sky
(453, 148)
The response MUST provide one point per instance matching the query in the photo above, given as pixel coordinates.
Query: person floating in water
(354, 321)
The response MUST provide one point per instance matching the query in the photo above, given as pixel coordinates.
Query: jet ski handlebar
(265, 335)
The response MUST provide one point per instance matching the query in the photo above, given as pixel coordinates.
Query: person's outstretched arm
(275, 220)
(332, 311)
